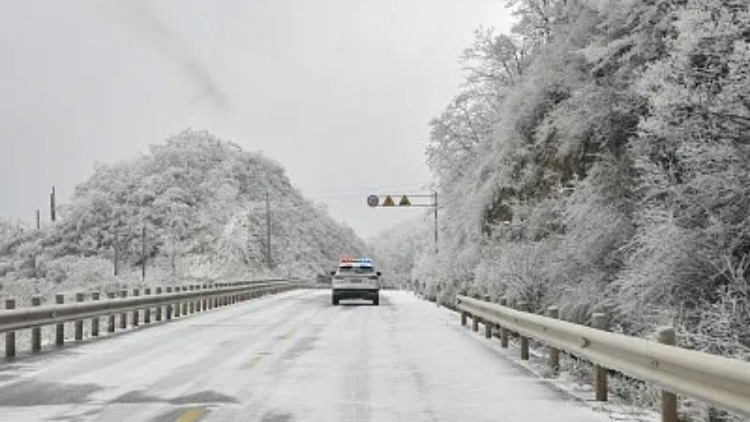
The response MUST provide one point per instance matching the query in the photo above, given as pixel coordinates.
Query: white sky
(339, 91)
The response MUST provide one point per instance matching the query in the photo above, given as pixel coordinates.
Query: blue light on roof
(359, 261)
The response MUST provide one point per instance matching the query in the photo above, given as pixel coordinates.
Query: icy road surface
(290, 357)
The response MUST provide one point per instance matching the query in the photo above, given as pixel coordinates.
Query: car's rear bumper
(367, 294)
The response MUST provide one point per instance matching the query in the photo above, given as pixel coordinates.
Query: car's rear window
(355, 270)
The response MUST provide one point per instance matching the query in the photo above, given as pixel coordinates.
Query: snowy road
(290, 357)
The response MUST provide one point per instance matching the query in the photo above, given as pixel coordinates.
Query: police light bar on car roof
(348, 260)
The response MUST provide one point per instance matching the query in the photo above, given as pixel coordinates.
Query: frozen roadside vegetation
(595, 159)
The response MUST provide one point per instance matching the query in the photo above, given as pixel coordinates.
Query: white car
(356, 279)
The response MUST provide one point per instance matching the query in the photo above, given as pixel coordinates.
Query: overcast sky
(339, 91)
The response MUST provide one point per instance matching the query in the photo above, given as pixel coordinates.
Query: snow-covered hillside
(202, 202)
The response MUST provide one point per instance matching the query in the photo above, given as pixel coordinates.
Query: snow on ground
(566, 382)
(291, 357)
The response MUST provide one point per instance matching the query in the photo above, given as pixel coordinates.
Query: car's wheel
(376, 301)
(335, 300)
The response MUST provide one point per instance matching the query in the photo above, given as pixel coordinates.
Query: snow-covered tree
(201, 202)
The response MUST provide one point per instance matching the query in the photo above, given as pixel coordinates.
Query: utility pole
(268, 231)
(117, 254)
(143, 253)
(52, 211)
(436, 221)
(288, 256)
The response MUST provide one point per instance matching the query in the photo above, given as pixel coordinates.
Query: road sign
(373, 200)
(406, 202)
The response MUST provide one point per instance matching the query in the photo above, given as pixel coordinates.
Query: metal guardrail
(191, 299)
(713, 379)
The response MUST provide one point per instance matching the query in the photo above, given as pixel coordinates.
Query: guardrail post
(10, 336)
(474, 323)
(204, 301)
(79, 323)
(158, 311)
(168, 309)
(524, 307)
(487, 324)
(504, 331)
(177, 305)
(95, 320)
(59, 328)
(124, 315)
(464, 318)
(185, 306)
(554, 353)
(137, 312)
(111, 318)
(199, 299)
(217, 286)
(599, 321)
(147, 311)
(191, 302)
(668, 399)
(36, 332)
